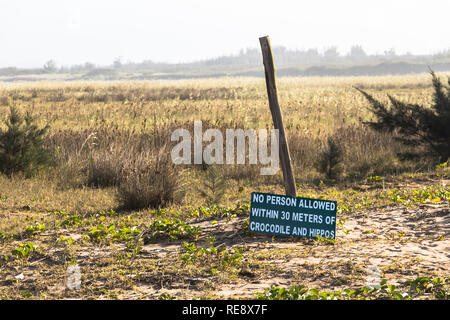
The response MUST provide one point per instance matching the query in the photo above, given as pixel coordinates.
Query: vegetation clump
(172, 228)
(213, 187)
(414, 124)
(411, 289)
(331, 159)
(21, 145)
(149, 182)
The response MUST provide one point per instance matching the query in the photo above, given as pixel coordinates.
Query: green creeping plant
(23, 250)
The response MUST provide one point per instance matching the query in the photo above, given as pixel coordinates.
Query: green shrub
(331, 159)
(21, 145)
(416, 125)
(214, 186)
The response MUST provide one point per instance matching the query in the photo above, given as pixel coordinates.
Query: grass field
(138, 226)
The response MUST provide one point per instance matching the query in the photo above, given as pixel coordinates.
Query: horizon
(75, 32)
(243, 51)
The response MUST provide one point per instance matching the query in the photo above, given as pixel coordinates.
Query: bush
(105, 169)
(214, 186)
(21, 145)
(331, 159)
(149, 182)
(416, 125)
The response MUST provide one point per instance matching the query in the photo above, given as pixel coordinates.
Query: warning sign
(288, 216)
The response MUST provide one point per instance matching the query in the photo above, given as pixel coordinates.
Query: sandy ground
(396, 243)
(393, 243)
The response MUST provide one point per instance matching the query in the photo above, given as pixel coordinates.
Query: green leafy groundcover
(420, 287)
(172, 229)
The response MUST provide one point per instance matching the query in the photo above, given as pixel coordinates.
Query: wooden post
(289, 182)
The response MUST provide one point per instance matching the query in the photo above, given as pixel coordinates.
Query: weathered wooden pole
(285, 159)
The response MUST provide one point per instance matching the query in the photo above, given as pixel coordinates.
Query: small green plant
(191, 251)
(431, 194)
(340, 224)
(300, 292)
(374, 179)
(214, 257)
(441, 165)
(134, 248)
(23, 250)
(100, 233)
(159, 212)
(125, 233)
(58, 213)
(211, 240)
(219, 211)
(4, 236)
(34, 228)
(166, 296)
(214, 186)
(389, 292)
(341, 208)
(435, 286)
(107, 233)
(442, 169)
(26, 294)
(331, 159)
(66, 240)
(72, 220)
(231, 257)
(171, 228)
(108, 213)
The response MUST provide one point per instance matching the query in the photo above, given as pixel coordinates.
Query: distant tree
(50, 66)
(310, 56)
(313, 53)
(331, 54)
(390, 53)
(279, 49)
(89, 66)
(117, 62)
(357, 53)
(62, 69)
(9, 71)
(416, 125)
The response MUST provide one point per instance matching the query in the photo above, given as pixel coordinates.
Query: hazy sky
(71, 32)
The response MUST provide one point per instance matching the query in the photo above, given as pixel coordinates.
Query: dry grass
(314, 108)
(110, 143)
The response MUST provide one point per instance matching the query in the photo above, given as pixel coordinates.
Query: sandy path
(398, 243)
